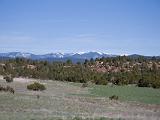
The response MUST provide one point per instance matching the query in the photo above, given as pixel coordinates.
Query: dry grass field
(64, 100)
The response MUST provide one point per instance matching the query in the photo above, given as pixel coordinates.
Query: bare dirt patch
(24, 80)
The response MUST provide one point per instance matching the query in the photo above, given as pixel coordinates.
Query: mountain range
(75, 57)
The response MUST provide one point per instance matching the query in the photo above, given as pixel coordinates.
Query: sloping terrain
(67, 100)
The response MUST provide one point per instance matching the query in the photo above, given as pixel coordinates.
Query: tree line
(120, 70)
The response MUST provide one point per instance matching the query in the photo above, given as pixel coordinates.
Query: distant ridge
(75, 57)
(84, 55)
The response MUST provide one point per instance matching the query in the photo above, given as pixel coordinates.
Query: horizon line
(78, 53)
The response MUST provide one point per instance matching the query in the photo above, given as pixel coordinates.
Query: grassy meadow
(128, 93)
(64, 100)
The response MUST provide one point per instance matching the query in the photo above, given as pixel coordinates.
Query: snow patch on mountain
(58, 55)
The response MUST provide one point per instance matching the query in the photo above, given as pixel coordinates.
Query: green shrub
(113, 97)
(156, 84)
(8, 78)
(143, 83)
(36, 87)
(7, 89)
(84, 85)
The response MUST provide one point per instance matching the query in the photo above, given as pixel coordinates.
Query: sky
(109, 26)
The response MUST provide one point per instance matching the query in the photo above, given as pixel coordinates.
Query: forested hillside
(120, 70)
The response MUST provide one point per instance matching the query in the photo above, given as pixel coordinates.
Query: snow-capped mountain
(58, 55)
(75, 57)
(89, 55)
(16, 54)
(84, 55)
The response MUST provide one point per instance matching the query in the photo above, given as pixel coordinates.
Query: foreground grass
(70, 101)
(78, 118)
(128, 93)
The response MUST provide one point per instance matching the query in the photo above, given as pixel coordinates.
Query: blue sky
(110, 26)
